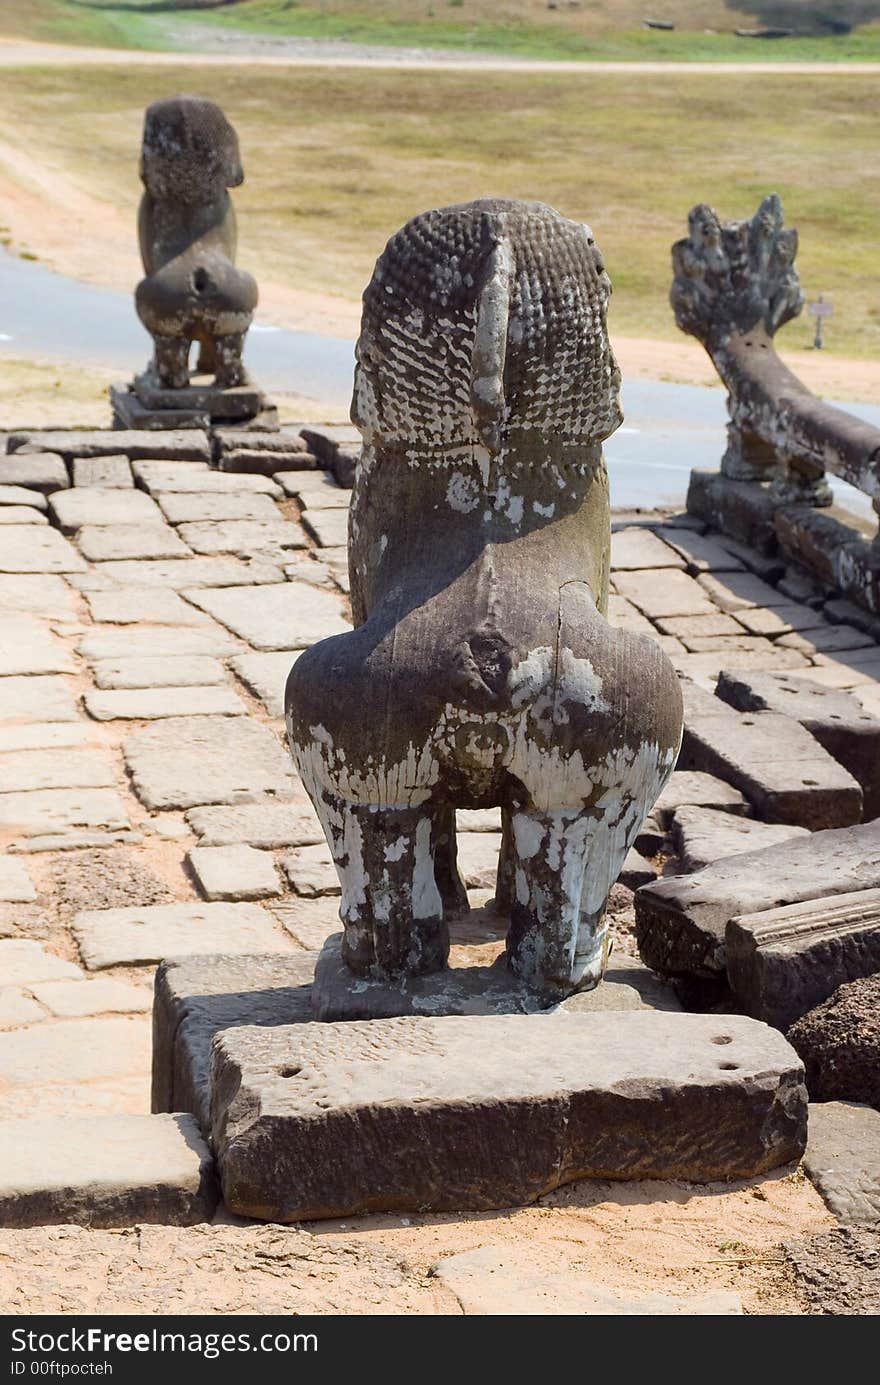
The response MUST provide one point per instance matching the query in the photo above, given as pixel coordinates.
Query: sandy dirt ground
(95, 244)
(633, 1240)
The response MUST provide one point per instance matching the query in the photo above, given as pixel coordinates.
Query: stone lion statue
(482, 670)
(187, 232)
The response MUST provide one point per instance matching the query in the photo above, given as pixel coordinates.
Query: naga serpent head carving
(482, 319)
(737, 275)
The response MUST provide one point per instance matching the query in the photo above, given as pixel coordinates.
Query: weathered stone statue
(192, 290)
(483, 670)
(735, 285)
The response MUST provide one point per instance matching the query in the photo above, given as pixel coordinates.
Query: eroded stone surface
(843, 1159)
(185, 445)
(242, 535)
(699, 790)
(839, 1043)
(234, 872)
(47, 769)
(155, 641)
(155, 704)
(124, 542)
(136, 937)
(73, 509)
(265, 675)
(107, 473)
(704, 835)
(264, 825)
(159, 671)
(182, 573)
(45, 811)
(201, 507)
(172, 476)
(501, 1107)
(27, 549)
(24, 962)
(291, 615)
(37, 699)
(105, 1171)
(187, 761)
(42, 472)
(132, 605)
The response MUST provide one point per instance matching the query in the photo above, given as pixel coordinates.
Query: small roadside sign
(820, 309)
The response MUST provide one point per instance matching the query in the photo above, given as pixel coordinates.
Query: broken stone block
(102, 1171)
(196, 997)
(698, 790)
(200, 508)
(105, 473)
(778, 765)
(467, 987)
(75, 508)
(318, 1120)
(835, 718)
(704, 835)
(44, 472)
(234, 872)
(839, 1044)
(265, 676)
(633, 548)
(265, 825)
(123, 542)
(783, 962)
(842, 1159)
(291, 615)
(183, 762)
(154, 704)
(139, 937)
(681, 921)
(504, 1280)
(27, 549)
(195, 670)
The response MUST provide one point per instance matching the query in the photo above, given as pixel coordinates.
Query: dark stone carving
(192, 291)
(483, 670)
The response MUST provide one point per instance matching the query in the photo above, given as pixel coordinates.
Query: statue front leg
(171, 361)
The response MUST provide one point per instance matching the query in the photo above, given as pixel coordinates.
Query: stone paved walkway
(147, 802)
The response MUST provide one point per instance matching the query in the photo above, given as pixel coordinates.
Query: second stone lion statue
(482, 670)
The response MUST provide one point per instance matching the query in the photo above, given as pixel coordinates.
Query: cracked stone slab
(156, 641)
(154, 704)
(834, 717)
(28, 549)
(123, 542)
(16, 886)
(210, 507)
(42, 472)
(700, 790)
(242, 536)
(105, 1171)
(182, 573)
(290, 615)
(783, 770)
(783, 962)
(265, 825)
(196, 997)
(265, 675)
(24, 962)
(37, 699)
(27, 647)
(318, 1120)
(681, 921)
(187, 761)
(704, 835)
(49, 811)
(842, 1159)
(103, 473)
(76, 768)
(234, 872)
(133, 605)
(82, 505)
(141, 936)
(162, 671)
(184, 445)
(504, 1280)
(169, 477)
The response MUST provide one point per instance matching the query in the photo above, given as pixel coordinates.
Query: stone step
(103, 1171)
(834, 717)
(783, 962)
(486, 1111)
(681, 921)
(782, 770)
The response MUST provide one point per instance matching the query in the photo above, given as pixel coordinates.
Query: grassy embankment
(336, 160)
(609, 30)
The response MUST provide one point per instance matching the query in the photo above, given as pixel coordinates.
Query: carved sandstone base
(144, 403)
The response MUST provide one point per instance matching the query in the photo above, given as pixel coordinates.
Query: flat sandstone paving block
(133, 605)
(43, 811)
(156, 641)
(154, 704)
(265, 825)
(778, 765)
(161, 671)
(234, 872)
(290, 615)
(664, 592)
(242, 535)
(122, 542)
(704, 835)
(26, 548)
(319, 1120)
(196, 997)
(182, 573)
(138, 937)
(47, 769)
(72, 509)
(189, 445)
(700, 790)
(266, 675)
(103, 1171)
(783, 962)
(681, 921)
(634, 548)
(187, 761)
(159, 477)
(842, 1159)
(239, 505)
